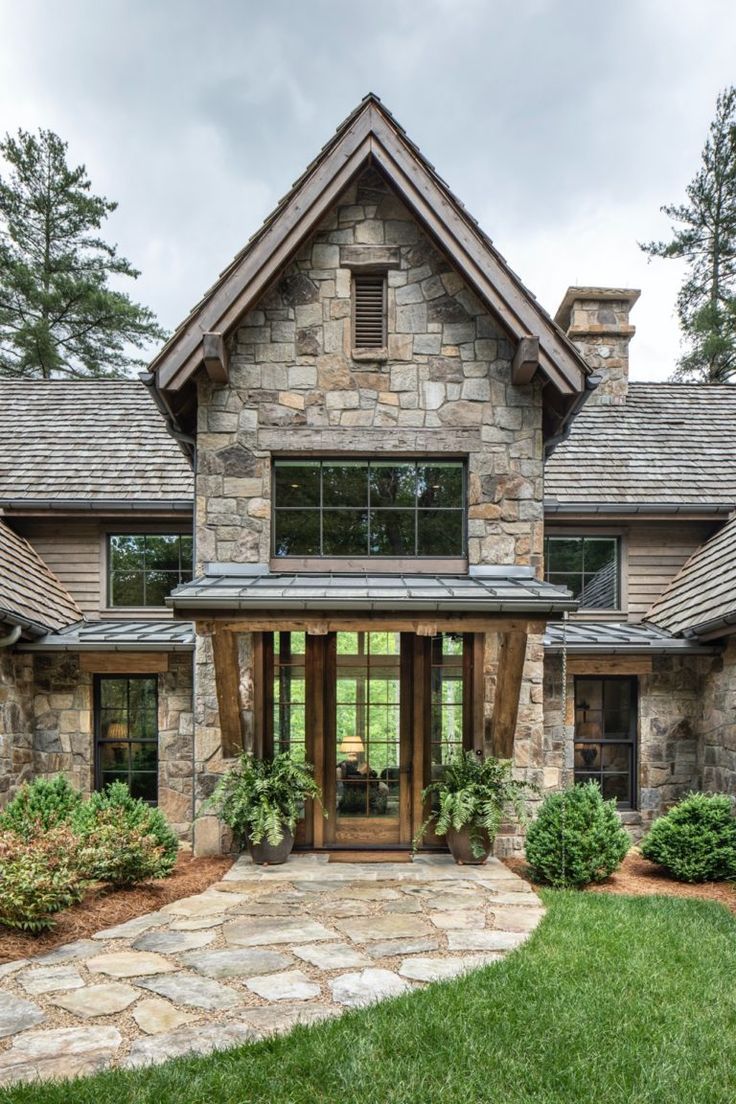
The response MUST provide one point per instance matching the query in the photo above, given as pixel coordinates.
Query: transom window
(589, 566)
(126, 733)
(369, 508)
(605, 736)
(144, 569)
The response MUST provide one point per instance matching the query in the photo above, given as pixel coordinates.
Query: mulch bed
(103, 907)
(637, 877)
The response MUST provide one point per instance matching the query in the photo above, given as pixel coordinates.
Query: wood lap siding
(73, 554)
(655, 555)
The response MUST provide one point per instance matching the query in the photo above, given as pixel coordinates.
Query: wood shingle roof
(701, 599)
(87, 440)
(30, 594)
(669, 444)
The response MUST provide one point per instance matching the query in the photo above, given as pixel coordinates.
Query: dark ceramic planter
(461, 849)
(268, 854)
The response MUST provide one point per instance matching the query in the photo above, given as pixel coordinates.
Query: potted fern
(470, 802)
(261, 800)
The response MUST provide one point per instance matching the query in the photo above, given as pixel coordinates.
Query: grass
(614, 999)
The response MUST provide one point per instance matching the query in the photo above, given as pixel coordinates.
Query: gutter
(11, 638)
(727, 624)
(707, 509)
(172, 505)
(581, 398)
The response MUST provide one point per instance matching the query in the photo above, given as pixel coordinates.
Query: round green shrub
(39, 875)
(576, 839)
(41, 805)
(696, 840)
(113, 809)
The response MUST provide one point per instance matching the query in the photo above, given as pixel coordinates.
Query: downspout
(11, 638)
(591, 383)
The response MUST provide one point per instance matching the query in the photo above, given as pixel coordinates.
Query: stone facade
(16, 712)
(62, 720)
(175, 744)
(597, 322)
(719, 724)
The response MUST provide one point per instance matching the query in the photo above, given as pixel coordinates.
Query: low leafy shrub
(696, 840)
(39, 875)
(41, 805)
(576, 839)
(111, 819)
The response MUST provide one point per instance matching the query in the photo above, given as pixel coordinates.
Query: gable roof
(30, 593)
(669, 443)
(701, 599)
(90, 442)
(370, 135)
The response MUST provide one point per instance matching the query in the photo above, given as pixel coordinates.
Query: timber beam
(214, 355)
(227, 685)
(320, 625)
(510, 670)
(526, 361)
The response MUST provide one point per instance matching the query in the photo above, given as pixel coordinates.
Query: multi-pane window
(144, 569)
(605, 736)
(368, 723)
(126, 733)
(588, 566)
(369, 508)
(289, 697)
(447, 700)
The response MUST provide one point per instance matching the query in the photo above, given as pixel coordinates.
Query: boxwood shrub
(123, 840)
(40, 805)
(696, 840)
(576, 838)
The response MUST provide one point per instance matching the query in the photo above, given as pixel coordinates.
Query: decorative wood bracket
(510, 670)
(227, 685)
(526, 361)
(214, 355)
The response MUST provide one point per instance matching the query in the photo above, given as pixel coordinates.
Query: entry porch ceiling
(508, 592)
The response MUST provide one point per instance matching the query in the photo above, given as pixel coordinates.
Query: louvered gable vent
(369, 310)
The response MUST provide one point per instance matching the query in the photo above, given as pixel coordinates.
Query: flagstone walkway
(256, 953)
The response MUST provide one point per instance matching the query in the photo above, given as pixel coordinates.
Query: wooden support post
(511, 654)
(526, 361)
(227, 684)
(214, 355)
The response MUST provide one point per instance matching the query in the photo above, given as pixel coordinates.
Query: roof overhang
(369, 136)
(617, 638)
(658, 510)
(117, 636)
(96, 506)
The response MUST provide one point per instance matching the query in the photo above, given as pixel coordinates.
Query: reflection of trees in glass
(588, 566)
(144, 569)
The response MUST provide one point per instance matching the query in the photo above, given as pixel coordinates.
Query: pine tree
(705, 237)
(58, 316)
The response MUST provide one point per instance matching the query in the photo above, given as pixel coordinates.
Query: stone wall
(441, 386)
(16, 712)
(176, 744)
(670, 708)
(719, 723)
(62, 719)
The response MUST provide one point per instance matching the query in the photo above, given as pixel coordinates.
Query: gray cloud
(563, 125)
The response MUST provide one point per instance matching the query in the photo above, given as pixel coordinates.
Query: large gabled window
(389, 508)
(143, 569)
(588, 566)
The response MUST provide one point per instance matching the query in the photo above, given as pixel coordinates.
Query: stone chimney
(596, 320)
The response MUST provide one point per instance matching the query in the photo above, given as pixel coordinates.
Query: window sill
(136, 613)
(450, 565)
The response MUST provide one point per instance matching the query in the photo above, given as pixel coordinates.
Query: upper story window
(143, 570)
(369, 508)
(369, 310)
(588, 566)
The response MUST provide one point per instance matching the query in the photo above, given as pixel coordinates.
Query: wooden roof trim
(370, 132)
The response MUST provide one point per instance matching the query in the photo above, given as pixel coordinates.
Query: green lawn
(614, 1000)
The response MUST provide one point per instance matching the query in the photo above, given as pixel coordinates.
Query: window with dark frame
(126, 733)
(369, 310)
(588, 566)
(143, 569)
(605, 736)
(331, 508)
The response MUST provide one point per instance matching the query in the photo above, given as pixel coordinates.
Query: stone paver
(129, 964)
(156, 1016)
(50, 979)
(236, 962)
(97, 1000)
(192, 991)
(17, 1014)
(290, 985)
(262, 950)
(367, 987)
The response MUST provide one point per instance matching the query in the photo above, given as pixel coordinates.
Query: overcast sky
(563, 125)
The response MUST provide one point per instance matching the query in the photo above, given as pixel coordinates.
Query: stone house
(371, 505)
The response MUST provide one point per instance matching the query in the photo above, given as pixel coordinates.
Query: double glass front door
(378, 714)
